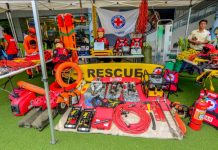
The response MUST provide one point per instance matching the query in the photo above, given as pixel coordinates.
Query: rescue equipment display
(106, 96)
(104, 104)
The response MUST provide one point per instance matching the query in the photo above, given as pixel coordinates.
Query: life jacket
(136, 43)
(60, 55)
(120, 42)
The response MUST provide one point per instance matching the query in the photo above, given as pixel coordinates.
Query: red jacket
(11, 48)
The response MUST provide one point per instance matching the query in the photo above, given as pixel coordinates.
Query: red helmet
(32, 30)
(100, 30)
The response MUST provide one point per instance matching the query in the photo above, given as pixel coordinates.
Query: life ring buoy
(62, 67)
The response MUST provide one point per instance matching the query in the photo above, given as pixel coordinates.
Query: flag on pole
(118, 23)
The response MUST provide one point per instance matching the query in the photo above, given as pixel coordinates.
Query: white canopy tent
(75, 4)
(35, 5)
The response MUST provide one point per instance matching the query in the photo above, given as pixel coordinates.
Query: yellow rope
(94, 21)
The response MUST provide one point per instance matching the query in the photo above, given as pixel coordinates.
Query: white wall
(180, 32)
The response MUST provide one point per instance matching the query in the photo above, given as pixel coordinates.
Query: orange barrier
(31, 87)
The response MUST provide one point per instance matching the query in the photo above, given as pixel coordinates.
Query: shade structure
(75, 4)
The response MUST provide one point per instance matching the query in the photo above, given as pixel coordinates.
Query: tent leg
(43, 65)
(10, 20)
(189, 15)
(187, 26)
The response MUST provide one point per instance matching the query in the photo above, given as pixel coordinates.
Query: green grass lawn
(14, 138)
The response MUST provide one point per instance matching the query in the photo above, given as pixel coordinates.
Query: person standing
(31, 48)
(10, 45)
(51, 37)
(198, 38)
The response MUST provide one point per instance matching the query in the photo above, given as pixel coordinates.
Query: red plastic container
(103, 118)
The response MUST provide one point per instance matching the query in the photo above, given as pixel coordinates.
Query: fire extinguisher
(198, 114)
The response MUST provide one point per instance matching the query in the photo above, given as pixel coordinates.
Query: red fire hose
(135, 128)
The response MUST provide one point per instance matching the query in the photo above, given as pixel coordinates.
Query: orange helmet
(32, 30)
(100, 30)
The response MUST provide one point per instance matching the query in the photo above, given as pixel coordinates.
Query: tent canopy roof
(75, 4)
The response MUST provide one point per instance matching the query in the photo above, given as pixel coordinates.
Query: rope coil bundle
(134, 128)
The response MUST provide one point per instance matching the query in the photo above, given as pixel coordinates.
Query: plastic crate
(178, 65)
(169, 65)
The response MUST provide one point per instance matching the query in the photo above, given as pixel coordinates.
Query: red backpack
(172, 79)
(60, 55)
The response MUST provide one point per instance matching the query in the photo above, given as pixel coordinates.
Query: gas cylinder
(198, 114)
(147, 52)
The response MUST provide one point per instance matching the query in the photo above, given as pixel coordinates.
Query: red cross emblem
(158, 71)
(118, 21)
(212, 105)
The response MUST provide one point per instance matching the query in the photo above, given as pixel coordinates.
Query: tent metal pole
(188, 21)
(11, 24)
(43, 65)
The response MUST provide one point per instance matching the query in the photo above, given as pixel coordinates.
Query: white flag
(118, 23)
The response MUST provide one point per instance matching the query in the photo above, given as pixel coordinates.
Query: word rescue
(118, 72)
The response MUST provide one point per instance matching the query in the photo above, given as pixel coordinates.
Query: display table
(136, 58)
(196, 66)
(13, 73)
(190, 62)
